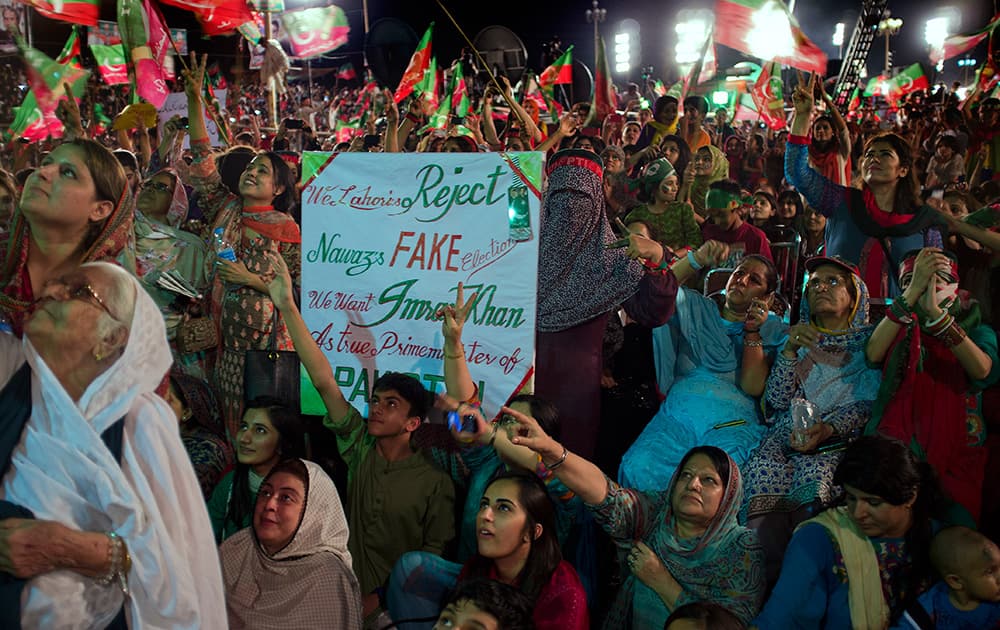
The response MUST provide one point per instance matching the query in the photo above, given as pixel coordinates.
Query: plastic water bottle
(222, 247)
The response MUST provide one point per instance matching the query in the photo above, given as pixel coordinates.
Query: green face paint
(720, 199)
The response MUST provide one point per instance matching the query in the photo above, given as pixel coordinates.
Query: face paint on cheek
(946, 293)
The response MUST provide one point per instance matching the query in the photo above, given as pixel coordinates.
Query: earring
(186, 415)
(98, 356)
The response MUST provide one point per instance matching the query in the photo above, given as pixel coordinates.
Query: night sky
(538, 21)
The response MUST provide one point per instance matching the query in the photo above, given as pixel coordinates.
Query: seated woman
(94, 455)
(201, 427)
(859, 565)
(708, 165)
(292, 568)
(163, 247)
(269, 433)
(75, 208)
(672, 221)
(711, 362)
(937, 357)
(790, 475)
(686, 545)
(483, 455)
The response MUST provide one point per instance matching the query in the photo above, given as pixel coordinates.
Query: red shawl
(562, 604)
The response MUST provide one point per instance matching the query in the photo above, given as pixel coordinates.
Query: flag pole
(482, 61)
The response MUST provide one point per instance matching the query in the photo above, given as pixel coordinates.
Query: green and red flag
(911, 79)
(102, 122)
(659, 89)
(958, 44)
(561, 71)
(605, 99)
(765, 29)
(216, 78)
(111, 63)
(219, 17)
(347, 129)
(678, 89)
(855, 101)
(35, 119)
(415, 72)
(315, 31)
(767, 96)
(459, 92)
(427, 88)
(441, 116)
(83, 12)
(346, 72)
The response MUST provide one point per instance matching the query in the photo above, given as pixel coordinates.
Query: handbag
(272, 373)
(196, 334)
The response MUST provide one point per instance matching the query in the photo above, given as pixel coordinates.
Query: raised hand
(280, 289)
(194, 76)
(453, 316)
(802, 96)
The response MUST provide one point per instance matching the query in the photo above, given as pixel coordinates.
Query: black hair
(907, 197)
(887, 468)
(291, 444)
(661, 103)
(654, 234)
(283, 178)
(697, 102)
(727, 186)
(543, 411)
(711, 615)
(545, 555)
(126, 158)
(683, 152)
(720, 460)
(231, 165)
(947, 140)
(408, 388)
(795, 197)
(512, 609)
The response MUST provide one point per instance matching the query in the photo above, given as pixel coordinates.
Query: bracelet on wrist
(953, 335)
(694, 261)
(458, 355)
(119, 563)
(899, 312)
(931, 324)
(560, 462)
(753, 343)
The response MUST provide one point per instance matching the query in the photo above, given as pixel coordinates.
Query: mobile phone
(371, 140)
(461, 424)
(183, 122)
(293, 123)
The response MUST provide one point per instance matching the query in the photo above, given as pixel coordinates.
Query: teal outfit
(218, 505)
(698, 355)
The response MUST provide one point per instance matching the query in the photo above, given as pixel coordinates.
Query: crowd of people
(766, 383)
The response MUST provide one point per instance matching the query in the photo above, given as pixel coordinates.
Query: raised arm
(526, 122)
(821, 193)
(567, 129)
(457, 379)
(489, 127)
(839, 125)
(578, 474)
(194, 79)
(392, 143)
(313, 359)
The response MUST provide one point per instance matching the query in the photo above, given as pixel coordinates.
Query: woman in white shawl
(112, 538)
(291, 568)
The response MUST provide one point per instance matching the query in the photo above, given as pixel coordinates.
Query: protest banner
(176, 105)
(387, 238)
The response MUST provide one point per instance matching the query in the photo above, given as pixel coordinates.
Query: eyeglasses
(87, 293)
(157, 186)
(831, 283)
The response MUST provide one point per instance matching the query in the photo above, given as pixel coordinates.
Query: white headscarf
(309, 582)
(62, 471)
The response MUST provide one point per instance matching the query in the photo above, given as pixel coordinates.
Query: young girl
(268, 433)
(672, 221)
(518, 546)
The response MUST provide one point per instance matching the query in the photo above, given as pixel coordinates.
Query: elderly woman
(823, 362)
(712, 362)
(937, 356)
(163, 247)
(685, 542)
(859, 565)
(292, 568)
(74, 208)
(256, 222)
(112, 514)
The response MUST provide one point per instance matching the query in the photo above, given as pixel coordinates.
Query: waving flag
(35, 119)
(145, 40)
(767, 96)
(315, 31)
(958, 44)
(765, 29)
(111, 63)
(459, 92)
(417, 68)
(346, 72)
(427, 88)
(605, 100)
(83, 12)
(561, 71)
(909, 80)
